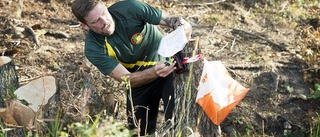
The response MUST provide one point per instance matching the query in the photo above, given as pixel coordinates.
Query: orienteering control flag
(218, 92)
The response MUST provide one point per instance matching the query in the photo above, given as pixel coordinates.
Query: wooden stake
(219, 131)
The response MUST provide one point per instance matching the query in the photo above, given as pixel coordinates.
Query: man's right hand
(163, 68)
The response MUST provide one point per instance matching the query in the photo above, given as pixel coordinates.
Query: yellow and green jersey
(134, 43)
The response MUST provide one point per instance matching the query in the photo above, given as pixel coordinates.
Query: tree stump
(88, 102)
(188, 113)
(8, 80)
(8, 77)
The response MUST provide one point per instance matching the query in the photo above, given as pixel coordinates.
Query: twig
(4, 50)
(233, 72)
(29, 79)
(219, 131)
(263, 128)
(166, 128)
(131, 102)
(201, 4)
(233, 43)
(222, 47)
(293, 98)
(284, 6)
(276, 79)
(74, 26)
(214, 27)
(58, 34)
(35, 37)
(258, 66)
(315, 68)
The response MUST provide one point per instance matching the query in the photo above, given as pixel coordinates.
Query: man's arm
(143, 77)
(160, 69)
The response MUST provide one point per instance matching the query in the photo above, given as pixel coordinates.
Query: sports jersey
(134, 42)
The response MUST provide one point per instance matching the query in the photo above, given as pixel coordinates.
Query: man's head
(94, 14)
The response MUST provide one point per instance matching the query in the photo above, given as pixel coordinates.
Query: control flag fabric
(218, 92)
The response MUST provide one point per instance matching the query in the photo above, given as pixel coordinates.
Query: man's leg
(168, 96)
(146, 103)
(162, 88)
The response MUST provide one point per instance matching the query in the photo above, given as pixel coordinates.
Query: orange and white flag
(218, 92)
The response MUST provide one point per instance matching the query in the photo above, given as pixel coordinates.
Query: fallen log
(8, 78)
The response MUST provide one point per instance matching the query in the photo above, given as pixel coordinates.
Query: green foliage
(107, 128)
(186, 128)
(2, 132)
(315, 131)
(55, 127)
(288, 87)
(212, 19)
(291, 133)
(245, 128)
(10, 94)
(79, 129)
(126, 82)
(316, 93)
(114, 129)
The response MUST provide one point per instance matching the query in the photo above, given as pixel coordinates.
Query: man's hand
(163, 68)
(187, 27)
(174, 22)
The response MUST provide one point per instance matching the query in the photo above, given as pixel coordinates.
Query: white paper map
(173, 42)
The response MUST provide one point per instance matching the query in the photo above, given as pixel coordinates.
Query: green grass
(315, 127)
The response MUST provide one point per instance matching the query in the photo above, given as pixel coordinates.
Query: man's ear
(84, 26)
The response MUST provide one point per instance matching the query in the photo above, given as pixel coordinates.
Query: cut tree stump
(8, 77)
(87, 103)
(8, 80)
(188, 113)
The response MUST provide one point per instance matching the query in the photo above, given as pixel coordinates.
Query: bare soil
(256, 41)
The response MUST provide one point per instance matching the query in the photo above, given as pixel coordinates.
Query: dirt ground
(256, 41)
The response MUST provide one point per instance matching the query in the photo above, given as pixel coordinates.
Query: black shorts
(146, 103)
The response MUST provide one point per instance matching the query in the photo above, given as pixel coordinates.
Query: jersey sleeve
(95, 53)
(146, 12)
(134, 10)
(149, 14)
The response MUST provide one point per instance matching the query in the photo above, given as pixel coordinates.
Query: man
(123, 40)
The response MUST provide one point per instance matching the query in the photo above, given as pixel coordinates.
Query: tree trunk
(188, 113)
(8, 78)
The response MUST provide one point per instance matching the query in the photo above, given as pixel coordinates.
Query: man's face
(100, 20)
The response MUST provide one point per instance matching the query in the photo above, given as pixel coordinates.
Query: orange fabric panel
(213, 110)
